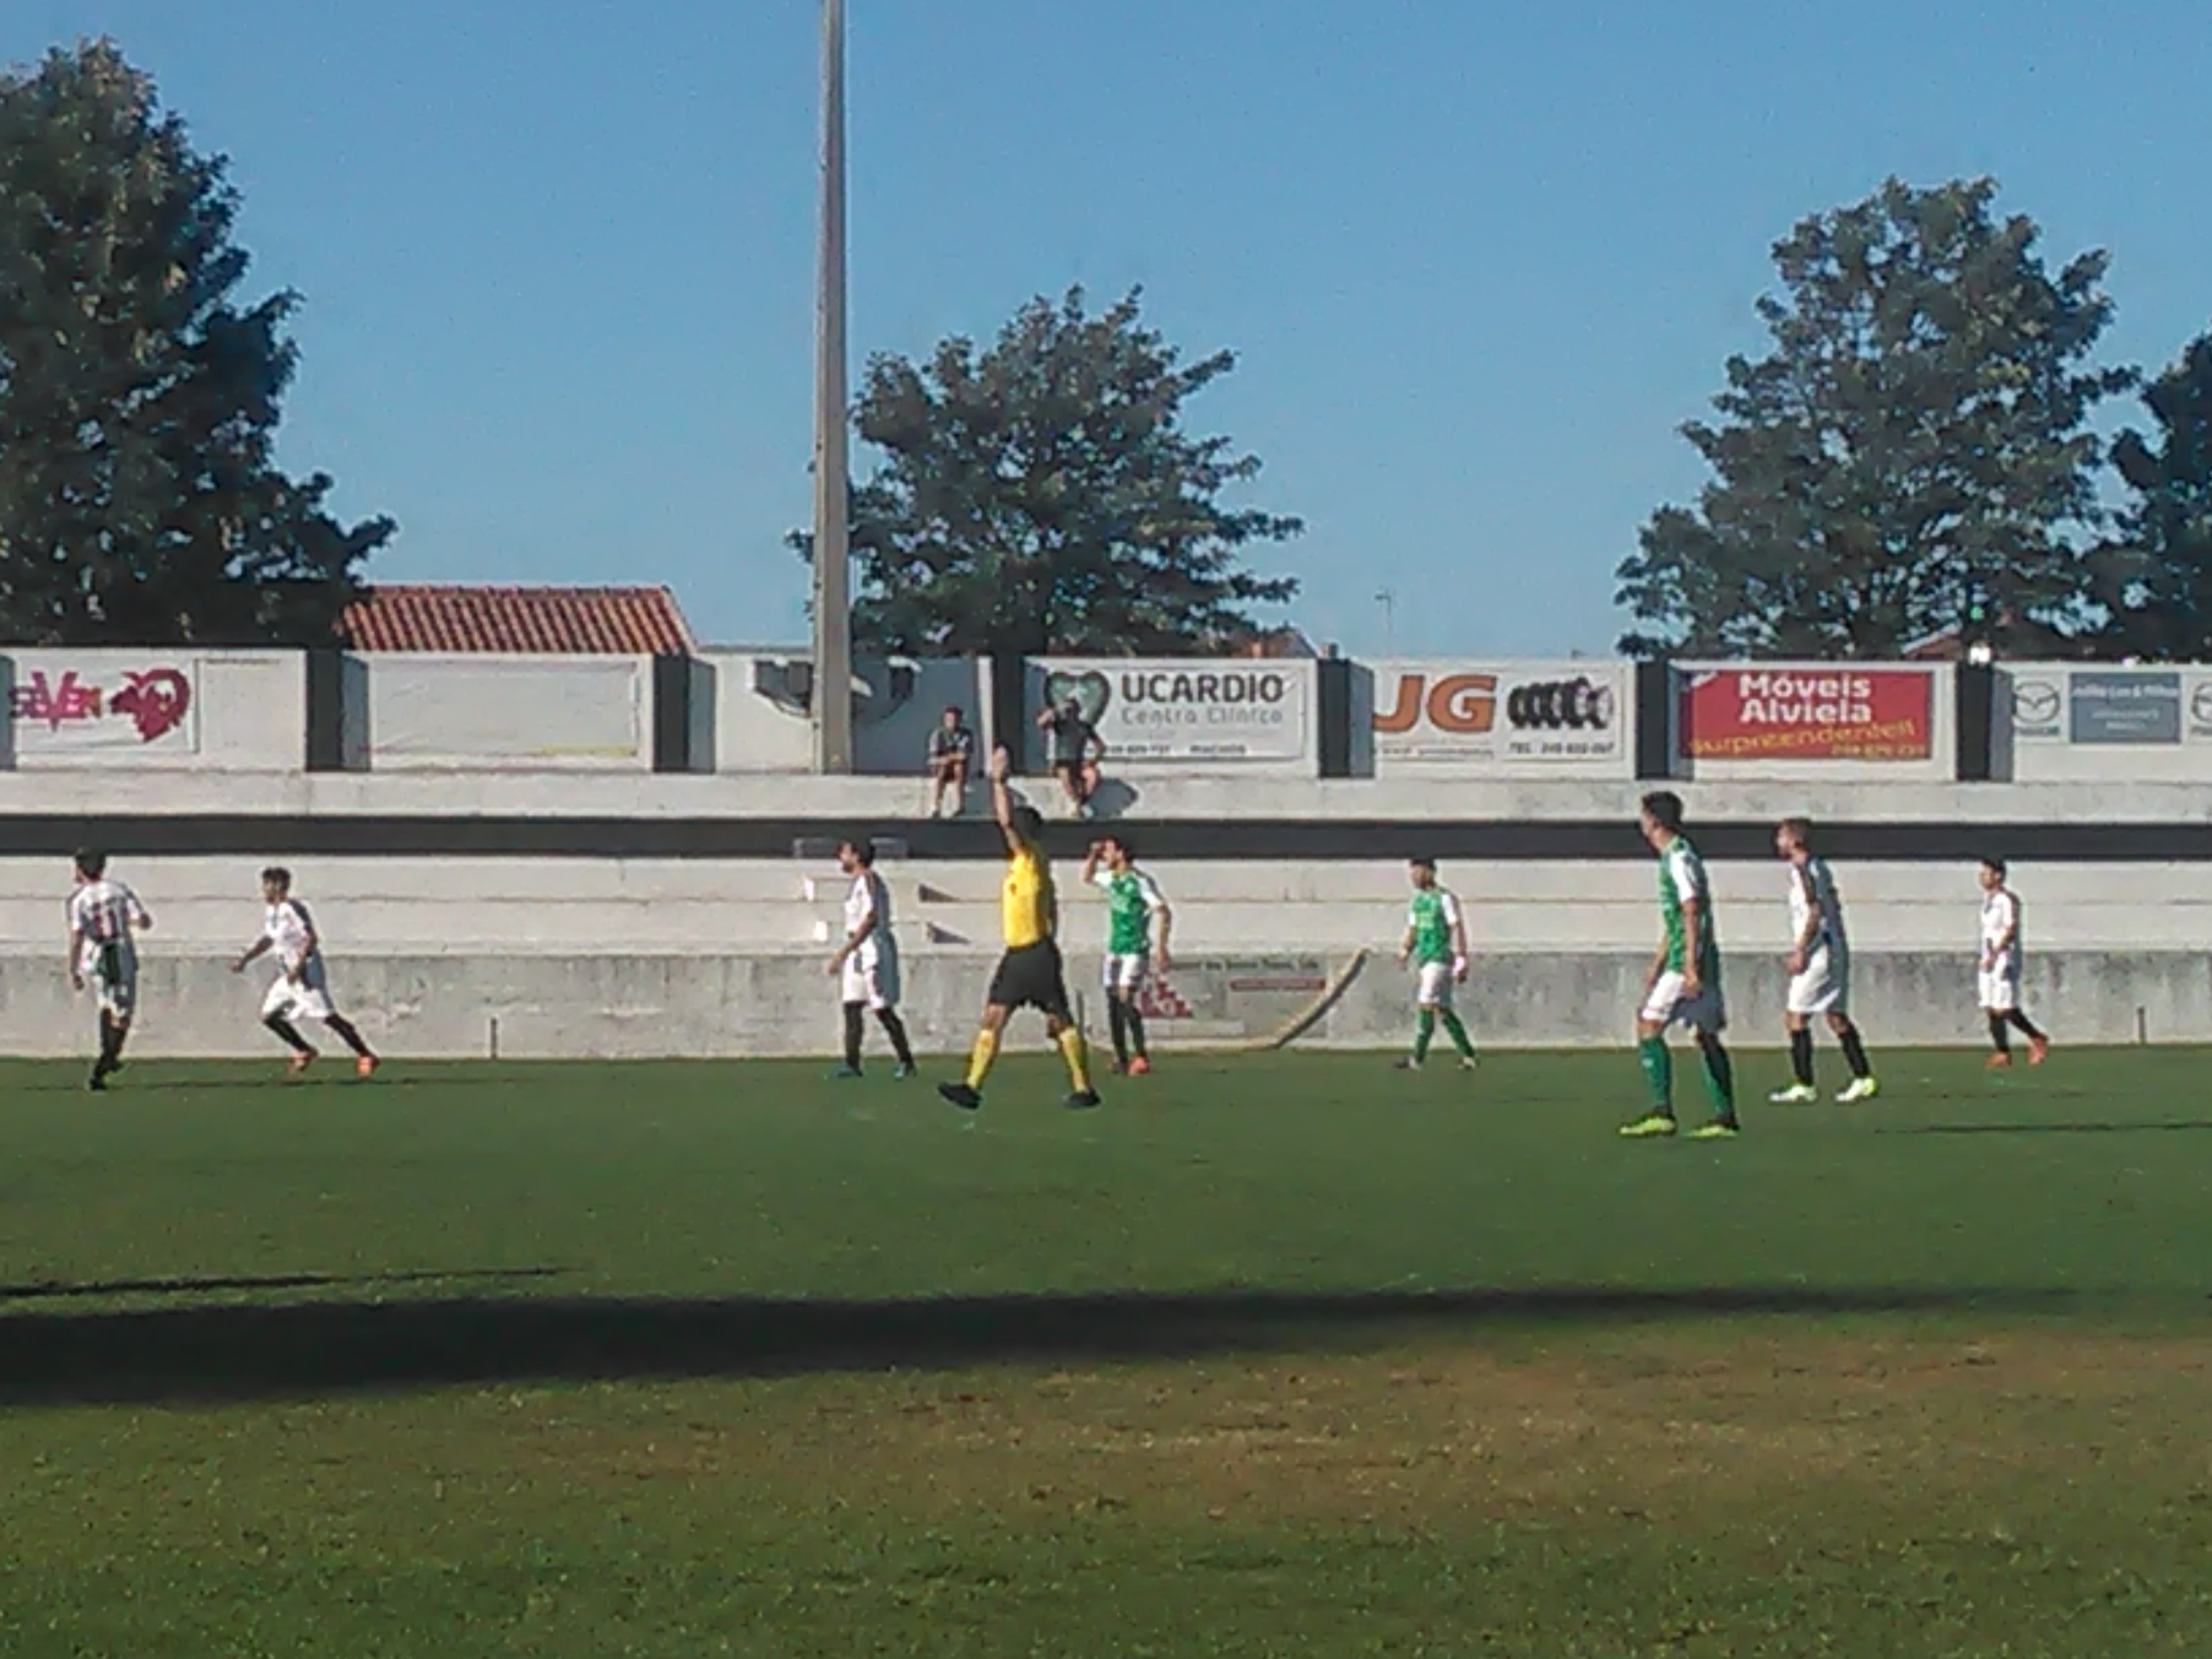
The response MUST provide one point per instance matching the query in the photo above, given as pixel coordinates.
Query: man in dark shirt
(1072, 749)
(951, 751)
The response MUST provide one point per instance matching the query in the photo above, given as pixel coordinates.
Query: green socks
(1425, 1032)
(1658, 1072)
(1457, 1032)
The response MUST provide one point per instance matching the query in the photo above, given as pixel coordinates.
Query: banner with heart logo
(1184, 711)
(63, 703)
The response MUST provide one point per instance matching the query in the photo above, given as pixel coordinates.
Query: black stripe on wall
(1521, 841)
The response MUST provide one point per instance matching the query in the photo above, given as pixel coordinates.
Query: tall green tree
(1912, 454)
(2160, 586)
(1042, 496)
(140, 501)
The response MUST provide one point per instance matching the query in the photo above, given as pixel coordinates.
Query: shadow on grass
(245, 1353)
(55, 1291)
(2172, 1126)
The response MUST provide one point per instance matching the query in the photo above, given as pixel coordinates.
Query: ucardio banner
(1183, 710)
(1825, 711)
(1457, 713)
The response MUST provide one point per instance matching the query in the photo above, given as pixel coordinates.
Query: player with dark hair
(1684, 985)
(104, 918)
(866, 962)
(1435, 947)
(1133, 903)
(1029, 974)
(1998, 981)
(1819, 964)
(301, 989)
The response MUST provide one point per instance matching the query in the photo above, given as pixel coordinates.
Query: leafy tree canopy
(1913, 453)
(1041, 494)
(139, 398)
(2160, 592)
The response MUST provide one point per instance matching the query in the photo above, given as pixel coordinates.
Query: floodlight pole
(832, 700)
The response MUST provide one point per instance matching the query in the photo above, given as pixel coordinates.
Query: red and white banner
(89, 702)
(1822, 713)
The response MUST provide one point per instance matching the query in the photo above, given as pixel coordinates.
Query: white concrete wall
(480, 713)
(619, 956)
(766, 1004)
(1156, 792)
(159, 711)
(759, 725)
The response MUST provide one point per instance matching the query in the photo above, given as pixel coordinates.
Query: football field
(1283, 1355)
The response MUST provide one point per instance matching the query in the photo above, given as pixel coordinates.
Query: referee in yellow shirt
(1029, 975)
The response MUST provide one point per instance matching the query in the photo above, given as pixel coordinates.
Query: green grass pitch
(1272, 1356)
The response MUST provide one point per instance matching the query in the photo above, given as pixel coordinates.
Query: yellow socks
(1071, 1050)
(980, 1058)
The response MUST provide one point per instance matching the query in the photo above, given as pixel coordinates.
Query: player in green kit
(1134, 901)
(1684, 985)
(1435, 946)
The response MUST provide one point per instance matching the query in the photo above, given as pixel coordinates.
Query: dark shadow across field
(249, 1351)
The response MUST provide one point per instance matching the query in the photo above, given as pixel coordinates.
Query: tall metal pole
(832, 700)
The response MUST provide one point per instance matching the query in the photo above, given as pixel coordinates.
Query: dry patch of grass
(1651, 1426)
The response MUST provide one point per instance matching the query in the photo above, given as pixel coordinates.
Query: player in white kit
(867, 963)
(301, 989)
(104, 916)
(1998, 982)
(1819, 964)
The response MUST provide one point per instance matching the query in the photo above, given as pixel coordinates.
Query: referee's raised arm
(1002, 799)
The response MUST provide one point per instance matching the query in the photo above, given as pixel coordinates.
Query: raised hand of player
(1002, 765)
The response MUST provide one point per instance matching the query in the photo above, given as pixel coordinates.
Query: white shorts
(869, 977)
(307, 997)
(1126, 971)
(1433, 982)
(1667, 1005)
(2000, 991)
(1825, 987)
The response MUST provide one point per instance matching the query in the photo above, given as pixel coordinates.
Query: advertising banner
(1815, 712)
(116, 704)
(2130, 707)
(1481, 715)
(1233, 710)
(2125, 707)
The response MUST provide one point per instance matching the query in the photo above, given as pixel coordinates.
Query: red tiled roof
(564, 621)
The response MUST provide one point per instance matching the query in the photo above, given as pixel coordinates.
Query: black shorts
(1029, 976)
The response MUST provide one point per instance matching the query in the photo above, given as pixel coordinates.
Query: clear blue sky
(1479, 259)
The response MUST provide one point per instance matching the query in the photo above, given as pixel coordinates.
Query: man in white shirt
(301, 989)
(104, 915)
(1998, 979)
(866, 962)
(1819, 964)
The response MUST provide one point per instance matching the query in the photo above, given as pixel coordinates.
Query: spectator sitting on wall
(1073, 748)
(951, 751)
